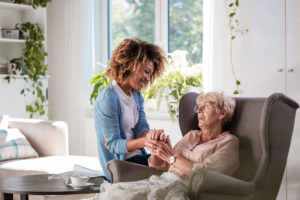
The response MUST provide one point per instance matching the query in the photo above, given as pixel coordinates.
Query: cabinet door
(293, 90)
(12, 102)
(262, 48)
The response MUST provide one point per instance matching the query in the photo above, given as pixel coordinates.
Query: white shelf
(6, 5)
(2, 76)
(20, 41)
(7, 40)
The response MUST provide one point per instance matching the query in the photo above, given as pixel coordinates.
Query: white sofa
(50, 140)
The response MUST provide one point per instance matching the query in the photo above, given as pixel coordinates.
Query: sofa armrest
(123, 171)
(48, 138)
(206, 181)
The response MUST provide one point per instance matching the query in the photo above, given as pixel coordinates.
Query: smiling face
(140, 78)
(208, 115)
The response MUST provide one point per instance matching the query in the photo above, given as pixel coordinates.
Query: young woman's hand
(154, 134)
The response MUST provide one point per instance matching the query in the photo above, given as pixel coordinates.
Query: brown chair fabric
(122, 171)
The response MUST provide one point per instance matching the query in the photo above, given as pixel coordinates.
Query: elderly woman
(210, 147)
(120, 120)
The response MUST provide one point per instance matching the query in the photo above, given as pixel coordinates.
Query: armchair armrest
(206, 181)
(48, 138)
(123, 171)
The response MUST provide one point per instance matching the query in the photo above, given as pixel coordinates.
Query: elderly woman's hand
(154, 134)
(161, 149)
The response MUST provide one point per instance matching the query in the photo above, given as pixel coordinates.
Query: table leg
(7, 196)
(24, 196)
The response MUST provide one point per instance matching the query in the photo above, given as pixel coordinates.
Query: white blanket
(167, 186)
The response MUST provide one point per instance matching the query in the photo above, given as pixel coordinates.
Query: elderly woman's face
(208, 115)
(140, 78)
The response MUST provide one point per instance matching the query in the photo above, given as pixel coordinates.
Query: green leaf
(236, 92)
(230, 5)
(238, 82)
(42, 112)
(232, 14)
(7, 78)
(237, 3)
(232, 37)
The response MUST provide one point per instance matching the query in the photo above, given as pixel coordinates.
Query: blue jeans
(141, 159)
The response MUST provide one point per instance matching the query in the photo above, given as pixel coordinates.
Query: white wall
(263, 57)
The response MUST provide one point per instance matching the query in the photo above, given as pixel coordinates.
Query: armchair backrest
(264, 127)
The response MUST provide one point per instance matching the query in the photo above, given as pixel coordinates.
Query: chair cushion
(14, 145)
(48, 165)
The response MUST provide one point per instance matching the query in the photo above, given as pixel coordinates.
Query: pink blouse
(220, 154)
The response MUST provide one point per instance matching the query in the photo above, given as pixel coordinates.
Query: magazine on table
(95, 177)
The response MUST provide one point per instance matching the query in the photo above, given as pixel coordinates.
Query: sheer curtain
(71, 62)
(217, 71)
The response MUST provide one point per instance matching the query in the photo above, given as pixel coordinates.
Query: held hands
(159, 145)
(158, 135)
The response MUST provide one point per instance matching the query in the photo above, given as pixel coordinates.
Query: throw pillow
(14, 145)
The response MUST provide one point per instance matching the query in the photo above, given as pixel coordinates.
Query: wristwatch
(172, 159)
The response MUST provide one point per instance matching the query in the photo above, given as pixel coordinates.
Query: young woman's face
(140, 78)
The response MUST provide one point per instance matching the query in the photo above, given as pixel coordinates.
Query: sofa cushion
(48, 165)
(14, 145)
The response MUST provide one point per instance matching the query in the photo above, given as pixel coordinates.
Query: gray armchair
(264, 127)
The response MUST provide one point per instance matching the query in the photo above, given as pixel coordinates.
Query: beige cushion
(48, 138)
(49, 165)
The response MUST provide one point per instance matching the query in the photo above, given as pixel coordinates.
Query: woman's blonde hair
(221, 101)
(128, 56)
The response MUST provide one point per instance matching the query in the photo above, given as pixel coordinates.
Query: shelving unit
(7, 5)
(11, 14)
(7, 40)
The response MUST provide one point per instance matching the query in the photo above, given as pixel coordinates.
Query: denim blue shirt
(110, 130)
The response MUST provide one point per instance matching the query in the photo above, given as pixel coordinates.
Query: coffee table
(38, 185)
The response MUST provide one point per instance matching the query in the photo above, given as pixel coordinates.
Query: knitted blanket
(167, 186)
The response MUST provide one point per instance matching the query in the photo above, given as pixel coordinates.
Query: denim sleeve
(142, 124)
(108, 125)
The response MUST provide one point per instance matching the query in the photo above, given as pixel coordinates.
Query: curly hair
(128, 56)
(221, 102)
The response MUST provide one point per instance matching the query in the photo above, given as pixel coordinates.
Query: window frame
(162, 27)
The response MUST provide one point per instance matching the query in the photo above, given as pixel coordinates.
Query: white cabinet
(293, 90)
(11, 101)
(270, 62)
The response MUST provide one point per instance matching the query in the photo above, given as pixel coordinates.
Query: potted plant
(178, 79)
(33, 3)
(31, 66)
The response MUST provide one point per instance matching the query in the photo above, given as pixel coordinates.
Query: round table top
(40, 185)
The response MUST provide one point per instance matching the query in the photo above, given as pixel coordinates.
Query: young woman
(120, 121)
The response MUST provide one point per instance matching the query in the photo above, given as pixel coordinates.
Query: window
(186, 28)
(131, 18)
(173, 24)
